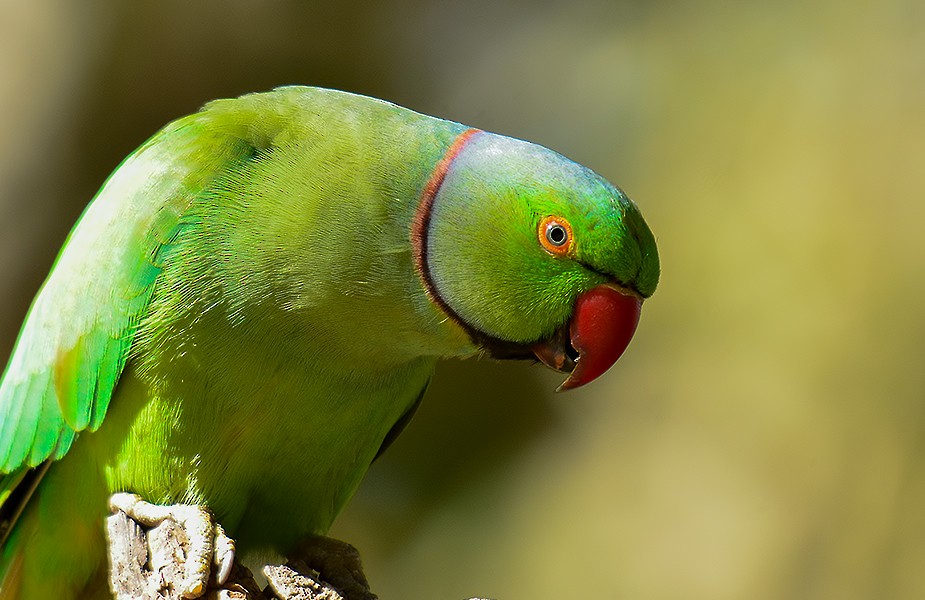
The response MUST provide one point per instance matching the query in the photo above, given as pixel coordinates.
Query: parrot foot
(207, 543)
(336, 564)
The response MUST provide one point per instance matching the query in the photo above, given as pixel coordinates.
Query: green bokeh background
(763, 436)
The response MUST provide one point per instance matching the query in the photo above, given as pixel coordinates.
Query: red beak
(601, 328)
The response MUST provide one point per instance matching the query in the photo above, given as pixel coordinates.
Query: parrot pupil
(556, 235)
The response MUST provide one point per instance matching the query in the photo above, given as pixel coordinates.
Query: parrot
(251, 308)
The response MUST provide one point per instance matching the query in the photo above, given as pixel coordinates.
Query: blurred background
(763, 437)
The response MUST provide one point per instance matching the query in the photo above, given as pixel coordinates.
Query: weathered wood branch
(148, 564)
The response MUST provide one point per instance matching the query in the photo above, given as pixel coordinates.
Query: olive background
(763, 435)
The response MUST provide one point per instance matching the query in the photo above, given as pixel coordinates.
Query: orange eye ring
(555, 235)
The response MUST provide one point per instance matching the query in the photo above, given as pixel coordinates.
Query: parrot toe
(224, 554)
(207, 544)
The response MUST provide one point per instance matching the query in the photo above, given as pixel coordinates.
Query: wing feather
(78, 334)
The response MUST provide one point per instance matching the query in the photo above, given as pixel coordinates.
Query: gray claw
(224, 554)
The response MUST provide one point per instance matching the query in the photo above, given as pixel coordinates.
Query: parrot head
(534, 255)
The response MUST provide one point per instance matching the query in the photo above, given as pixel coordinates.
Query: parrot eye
(555, 235)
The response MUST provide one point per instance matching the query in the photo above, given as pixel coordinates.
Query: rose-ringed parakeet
(263, 289)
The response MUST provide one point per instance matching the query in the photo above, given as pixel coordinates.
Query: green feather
(247, 313)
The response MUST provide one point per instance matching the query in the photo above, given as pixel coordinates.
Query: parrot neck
(420, 228)
(420, 232)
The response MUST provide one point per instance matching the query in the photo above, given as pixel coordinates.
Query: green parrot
(252, 306)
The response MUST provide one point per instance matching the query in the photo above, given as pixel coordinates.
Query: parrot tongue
(601, 328)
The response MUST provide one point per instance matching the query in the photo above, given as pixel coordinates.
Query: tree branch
(148, 564)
